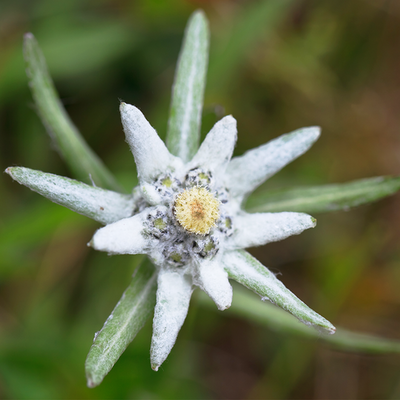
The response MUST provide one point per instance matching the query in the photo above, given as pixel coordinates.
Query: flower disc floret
(196, 210)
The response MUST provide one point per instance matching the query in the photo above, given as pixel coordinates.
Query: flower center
(196, 210)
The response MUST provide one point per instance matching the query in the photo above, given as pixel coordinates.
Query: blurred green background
(275, 65)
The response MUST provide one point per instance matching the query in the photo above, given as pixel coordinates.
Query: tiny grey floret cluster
(173, 244)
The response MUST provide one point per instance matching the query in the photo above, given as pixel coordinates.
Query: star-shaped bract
(125, 233)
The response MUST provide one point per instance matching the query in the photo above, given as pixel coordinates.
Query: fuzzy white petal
(246, 270)
(213, 279)
(250, 170)
(217, 148)
(104, 206)
(151, 155)
(261, 228)
(188, 89)
(150, 194)
(125, 236)
(173, 297)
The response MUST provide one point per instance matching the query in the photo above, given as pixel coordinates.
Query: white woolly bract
(187, 93)
(150, 194)
(217, 148)
(245, 269)
(123, 237)
(104, 206)
(247, 172)
(151, 155)
(213, 279)
(262, 228)
(173, 296)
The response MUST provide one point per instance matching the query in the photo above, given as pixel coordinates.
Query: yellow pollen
(197, 210)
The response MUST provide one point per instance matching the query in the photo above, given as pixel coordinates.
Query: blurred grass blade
(188, 89)
(245, 269)
(121, 327)
(255, 22)
(83, 162)
(324, 198)
(249, 307)
(104, 206)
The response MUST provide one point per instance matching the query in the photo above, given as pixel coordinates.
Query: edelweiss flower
(188, 220)
(186, 213)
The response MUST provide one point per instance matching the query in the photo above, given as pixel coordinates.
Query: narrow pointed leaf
(104, 206)
(245, 173)
(173, 296)
(245, 269)
(81, 159)
(325, 198)
(213, 280)
(262, 228)
(249, 307)
(188, 89)
(151, 155)
(216, 150)
(126, 236)
(121, 327)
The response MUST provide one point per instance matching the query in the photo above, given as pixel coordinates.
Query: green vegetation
(275, 66)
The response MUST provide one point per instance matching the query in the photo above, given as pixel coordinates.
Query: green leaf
(324, 198)
(121, 327)
(104, 206)
(249, 307)
(188, 89)
(83, 162)
(245, 269)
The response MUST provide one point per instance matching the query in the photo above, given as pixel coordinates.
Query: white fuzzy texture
(245, 269)
(187, 94)
(189, 109)
(261, 228)
(150, 194)
(125, 236)
(151, 155)
(247, 172)
(217, 148)
(104, 206)
(213, 279)
(173, 296)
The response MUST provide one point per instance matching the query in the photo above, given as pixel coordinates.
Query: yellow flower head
(196, 210)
